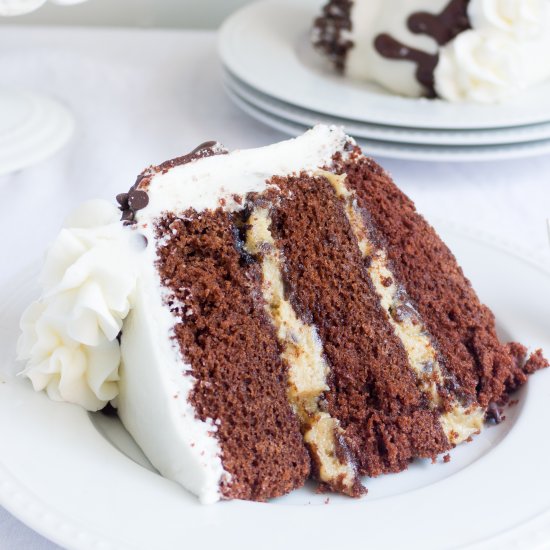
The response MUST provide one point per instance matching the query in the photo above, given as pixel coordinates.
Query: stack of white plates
(272, 73)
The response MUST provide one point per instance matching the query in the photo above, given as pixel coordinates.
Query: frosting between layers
(303, 352)
(460, 422)
(216, 180)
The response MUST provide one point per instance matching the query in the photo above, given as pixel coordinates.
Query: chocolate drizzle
(206, 149)
(130, 203)
(389, 47)
(442, 27)
(137, 198)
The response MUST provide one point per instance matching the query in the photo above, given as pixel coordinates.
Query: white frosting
(478, 66)
(519, 18)
(201, 185)
(69, 335)
(503, 54)
(154, 388)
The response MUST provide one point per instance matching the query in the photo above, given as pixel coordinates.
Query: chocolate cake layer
(485, 370)
(386, 419)
(224, 334)
(458, 418)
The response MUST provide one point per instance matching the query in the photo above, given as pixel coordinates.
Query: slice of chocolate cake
(283, 312)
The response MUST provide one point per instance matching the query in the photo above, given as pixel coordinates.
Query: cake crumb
(327, 500)
(447, 458)
(470, 439)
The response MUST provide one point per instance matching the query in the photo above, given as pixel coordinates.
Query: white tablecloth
(141, 97)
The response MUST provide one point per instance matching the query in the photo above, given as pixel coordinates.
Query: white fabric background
(141, 97)
(186, 14)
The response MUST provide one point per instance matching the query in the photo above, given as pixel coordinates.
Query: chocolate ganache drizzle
(442, 27)
(389, 47)
(137, 198)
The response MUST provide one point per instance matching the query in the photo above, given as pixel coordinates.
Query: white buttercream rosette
(69, 336)
(518, 18)
(478, 66)
(502, 54)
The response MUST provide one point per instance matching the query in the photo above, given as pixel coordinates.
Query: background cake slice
(474, 50)
(290, 316)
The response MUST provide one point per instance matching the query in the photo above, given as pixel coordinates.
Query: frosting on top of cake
(217, 179)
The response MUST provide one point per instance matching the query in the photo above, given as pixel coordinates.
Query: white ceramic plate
(266, 45)
(518, 134)
(405, 151)
(80, 480)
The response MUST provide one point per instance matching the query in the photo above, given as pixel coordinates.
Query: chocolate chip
(122, 199)
(138, 199)
(127, 216)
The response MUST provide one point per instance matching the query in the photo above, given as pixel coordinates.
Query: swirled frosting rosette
(69, 336)
(524, 19)
(503, 53)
